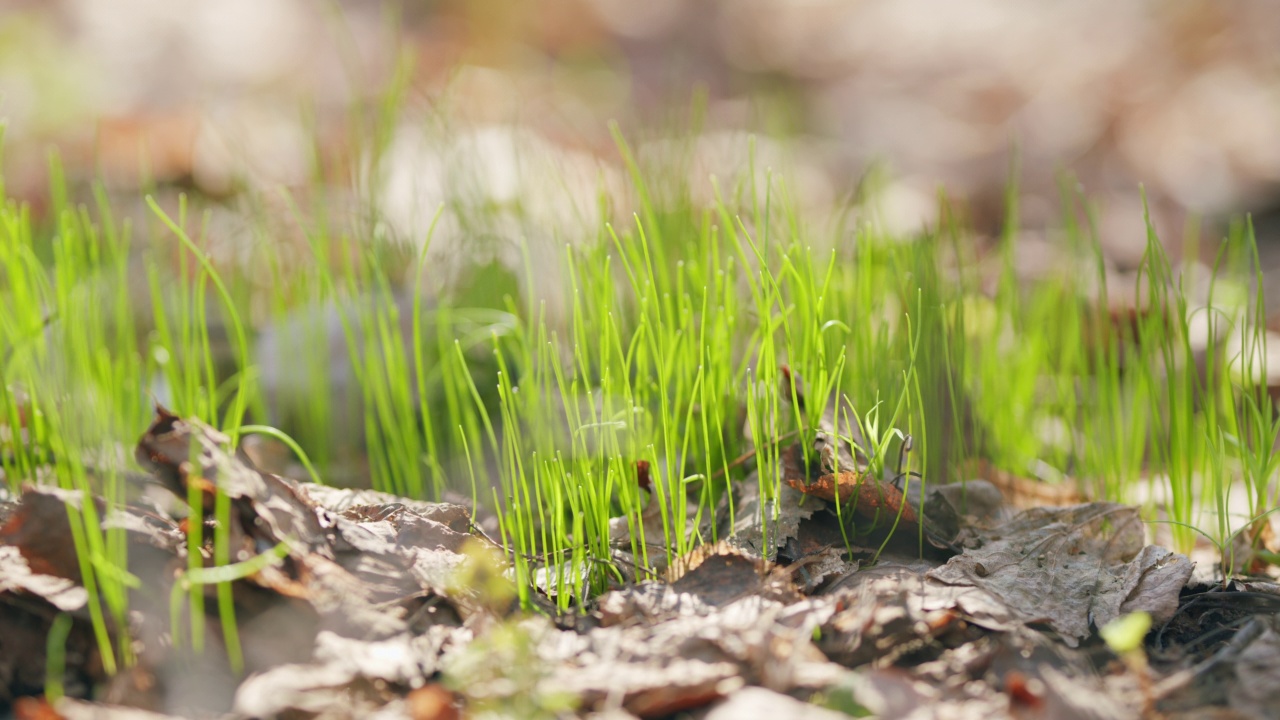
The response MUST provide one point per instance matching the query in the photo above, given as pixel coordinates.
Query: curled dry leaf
(267, 508)
(698, 556)
(362, 568)
(344, 546)
(867, 496)
(721, 573)
(706, 578)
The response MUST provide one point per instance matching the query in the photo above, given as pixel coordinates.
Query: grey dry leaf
(1071, 568)
(1152, 583)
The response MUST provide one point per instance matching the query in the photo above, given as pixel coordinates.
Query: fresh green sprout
(56, 658)
(288, 442)
(1124, 635)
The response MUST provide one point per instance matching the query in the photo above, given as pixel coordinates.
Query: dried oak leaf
(1072, 568)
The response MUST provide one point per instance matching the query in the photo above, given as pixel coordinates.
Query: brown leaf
(719, 574)
(696, 557)
(39, 528)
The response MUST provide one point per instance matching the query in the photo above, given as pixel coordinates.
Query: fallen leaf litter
(363, 615)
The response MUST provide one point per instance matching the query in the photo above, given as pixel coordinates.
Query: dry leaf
(1074, 568)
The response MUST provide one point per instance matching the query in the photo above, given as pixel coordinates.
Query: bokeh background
(1181, 97)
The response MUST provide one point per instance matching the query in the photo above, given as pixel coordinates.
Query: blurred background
(1181, 96)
